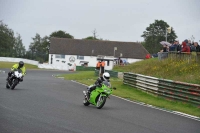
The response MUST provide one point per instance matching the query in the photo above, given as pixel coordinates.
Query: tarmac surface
(45, 104)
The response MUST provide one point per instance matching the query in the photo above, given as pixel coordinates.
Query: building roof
(67, 46)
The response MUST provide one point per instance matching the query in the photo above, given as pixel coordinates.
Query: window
(80, 57)
(108, 63)
(60, 56)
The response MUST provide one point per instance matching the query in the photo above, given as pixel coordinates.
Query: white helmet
(106, 76)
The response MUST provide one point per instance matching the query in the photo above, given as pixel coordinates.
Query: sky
(114, 20)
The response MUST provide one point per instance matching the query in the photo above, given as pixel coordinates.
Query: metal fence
(169, 89)
(85, 68)
(187, 56)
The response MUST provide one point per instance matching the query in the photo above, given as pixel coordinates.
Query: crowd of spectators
(185, 46)
(121, 62)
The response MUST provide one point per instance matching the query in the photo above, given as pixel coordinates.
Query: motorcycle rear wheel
(101, 102)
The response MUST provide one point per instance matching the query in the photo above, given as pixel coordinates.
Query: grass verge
(10, 64)
(124, 91)
(178, 70)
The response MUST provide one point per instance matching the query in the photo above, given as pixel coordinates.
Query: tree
(155, 33)
(45, 45)
(18, 49)
(39, 48)
(94, 37)
(7, 40)
(94, 32)
(61, 34)
(90, 38)
(35, 46)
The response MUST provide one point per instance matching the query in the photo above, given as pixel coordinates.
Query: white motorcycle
(14, 79)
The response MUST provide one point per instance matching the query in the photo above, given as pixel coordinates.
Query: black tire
(14, 84)
(85, 102)
(7, 86)
(101, 102)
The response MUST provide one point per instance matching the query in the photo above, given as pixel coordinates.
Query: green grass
(166, 69)
(124, 91)
(10, 64)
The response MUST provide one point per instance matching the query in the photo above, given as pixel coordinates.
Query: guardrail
(10, 59)
(85, 68)
(169, 89)
(188, 56)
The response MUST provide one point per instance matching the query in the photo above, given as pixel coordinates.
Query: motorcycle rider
(98, 82)
(21, 66)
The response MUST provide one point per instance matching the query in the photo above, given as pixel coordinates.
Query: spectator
(154, 55)
(197, 47)
(98, 65)
(186, 41)
(173, 47)
(185, 48)
(125, 62)
(165, 48)
(163, 52)
(102, 67)
(148, 56)
(189, 42)
(178, 46)
(192, 48)
(120, 62)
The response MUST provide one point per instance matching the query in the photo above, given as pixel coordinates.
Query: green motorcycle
(99, 95)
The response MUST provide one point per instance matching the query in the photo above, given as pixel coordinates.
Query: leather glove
(99, 81)
(21, 79)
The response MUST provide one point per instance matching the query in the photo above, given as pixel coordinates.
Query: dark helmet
(21, 64)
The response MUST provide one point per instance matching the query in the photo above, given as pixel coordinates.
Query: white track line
(2, 71)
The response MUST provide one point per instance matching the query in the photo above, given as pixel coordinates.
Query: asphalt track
(45, 104)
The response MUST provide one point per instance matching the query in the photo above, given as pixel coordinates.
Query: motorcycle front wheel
(7, 86)
(14, 84)
(101, 101)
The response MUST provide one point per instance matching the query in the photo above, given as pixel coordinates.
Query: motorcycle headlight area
(17, 74)
(106, 90)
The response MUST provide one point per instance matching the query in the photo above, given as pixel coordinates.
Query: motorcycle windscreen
(108, 84)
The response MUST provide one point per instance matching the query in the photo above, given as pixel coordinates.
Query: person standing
(98, 65)
(102, 67)
(197, 46)
(185, 48)
(178, 46)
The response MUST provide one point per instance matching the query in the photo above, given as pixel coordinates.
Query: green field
(10, 64)
(177, 70)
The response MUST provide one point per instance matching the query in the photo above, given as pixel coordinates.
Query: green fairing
(99, 90)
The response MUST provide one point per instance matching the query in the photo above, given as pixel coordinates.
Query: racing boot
(88, 94)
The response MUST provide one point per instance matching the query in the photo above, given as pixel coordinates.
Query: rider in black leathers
(98, 82)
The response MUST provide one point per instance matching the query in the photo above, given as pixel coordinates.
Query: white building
(66, 53)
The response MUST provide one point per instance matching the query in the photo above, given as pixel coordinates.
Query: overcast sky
(115, 20)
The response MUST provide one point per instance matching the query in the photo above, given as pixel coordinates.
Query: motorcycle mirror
(114, 88)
